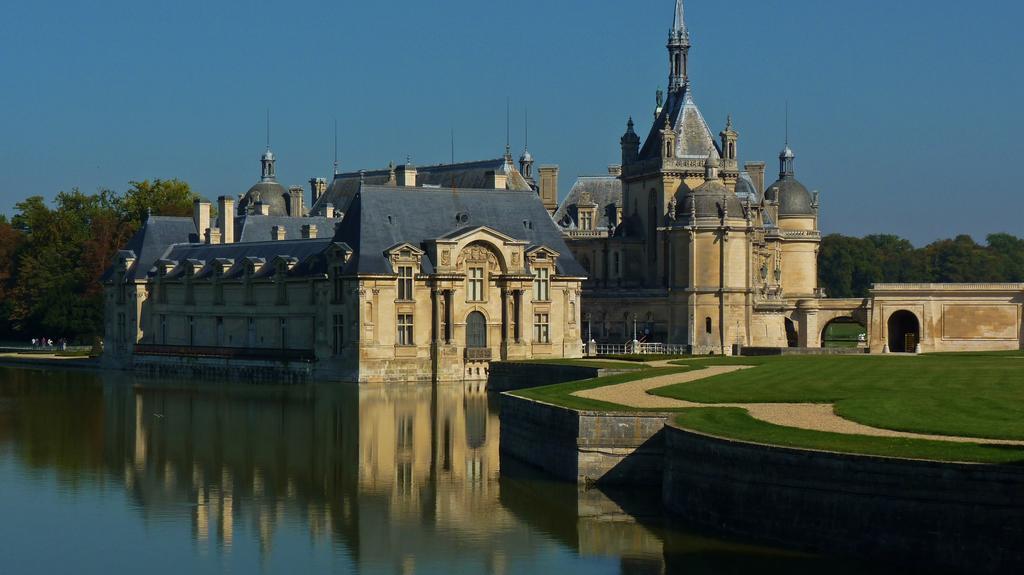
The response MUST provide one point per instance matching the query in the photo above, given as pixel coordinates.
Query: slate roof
(267, 251)
(793, 197)
(466, 175)
(381, 217)
(256, 228)
(605, 191)
(270, 193)
(745, 189)
(693, 136)
(151, 241)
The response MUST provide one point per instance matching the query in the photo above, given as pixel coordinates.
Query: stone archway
(476, 330)
(842, 331)
(904, 332)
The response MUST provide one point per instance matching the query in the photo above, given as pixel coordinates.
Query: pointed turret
(630, 143)
(678, 49)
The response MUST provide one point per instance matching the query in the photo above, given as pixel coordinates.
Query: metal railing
(637, 348)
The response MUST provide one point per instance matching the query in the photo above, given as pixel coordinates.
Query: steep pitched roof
(693, 136)
(152, 239)
(465, 175)
(381, 217)
(256, 228)
(605, 191)
(267, 251)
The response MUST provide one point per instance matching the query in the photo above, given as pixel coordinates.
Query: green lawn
(561, 393)
(972, 395)
(736, 423)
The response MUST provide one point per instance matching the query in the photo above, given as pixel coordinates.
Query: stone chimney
(329, 211)
(226, 219)
(406, 175)
(277, 233)
(318, 187)
(309, 231)
(201, 217)
(296, 207)
(549, 187)
(756, 172)
(262, 209)
(615, 170)
(213, 236)
(497, 181)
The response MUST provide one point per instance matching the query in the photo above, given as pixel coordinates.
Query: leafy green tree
(159, 197)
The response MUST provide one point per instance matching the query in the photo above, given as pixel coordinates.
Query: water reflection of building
(394, 475)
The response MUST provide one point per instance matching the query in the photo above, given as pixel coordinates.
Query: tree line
(52, 255)
(847, 266)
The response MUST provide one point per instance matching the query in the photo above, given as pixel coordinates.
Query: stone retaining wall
(234, 369)
(761, 351)
(960, 516)
(584, 447)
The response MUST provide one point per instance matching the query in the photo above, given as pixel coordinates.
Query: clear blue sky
(907, 116)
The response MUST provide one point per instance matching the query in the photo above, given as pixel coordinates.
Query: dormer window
(586, 221)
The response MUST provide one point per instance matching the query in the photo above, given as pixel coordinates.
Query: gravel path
(811, 416)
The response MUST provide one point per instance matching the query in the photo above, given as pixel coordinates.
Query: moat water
(110, 473)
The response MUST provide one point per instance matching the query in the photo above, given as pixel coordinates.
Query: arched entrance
(792, 336)
(476, 331)
(904, 332)
(842, 332)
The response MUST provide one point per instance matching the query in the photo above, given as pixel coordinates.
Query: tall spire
(679, 22)
(678, 50)
(268, 172)
(335, 146)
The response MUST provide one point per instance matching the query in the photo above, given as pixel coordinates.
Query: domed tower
(267, 196)
(714, 261)
(796, 211)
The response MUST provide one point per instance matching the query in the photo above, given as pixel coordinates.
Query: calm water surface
(105, 473)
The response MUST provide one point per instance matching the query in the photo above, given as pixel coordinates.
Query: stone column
(810, 337)
(448, 331)
(436, 316)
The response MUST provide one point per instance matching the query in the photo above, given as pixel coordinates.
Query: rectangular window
(282, 291)
(476, 284)
(586, 221)
(218, 291)
(541, 284)
(405, 283)
(339, 333)
(284, 333)
(405, 329)
(122, 331)
(339, 286)
(250, 332)
(163, 329)
(541, 333)
(220, 331)
(191, 330)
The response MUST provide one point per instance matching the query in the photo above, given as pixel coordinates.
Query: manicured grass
(597, 364)
(970, 395)
(736, 423)
(561, 393)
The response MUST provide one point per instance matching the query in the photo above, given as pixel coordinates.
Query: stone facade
(683, 245)
(411, 285)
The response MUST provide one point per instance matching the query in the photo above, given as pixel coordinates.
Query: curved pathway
(810, 416)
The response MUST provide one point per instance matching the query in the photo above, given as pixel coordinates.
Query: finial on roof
(728, 122)
(335, 146)
(679, 23)
(629, 124)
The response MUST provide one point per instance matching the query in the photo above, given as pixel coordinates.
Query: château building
(684, 244)
(403, 283)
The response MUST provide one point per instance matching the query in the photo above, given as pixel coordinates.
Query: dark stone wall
(584, 447)
(916, 513)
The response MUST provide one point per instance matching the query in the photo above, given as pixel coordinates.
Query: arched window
(476, 330)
